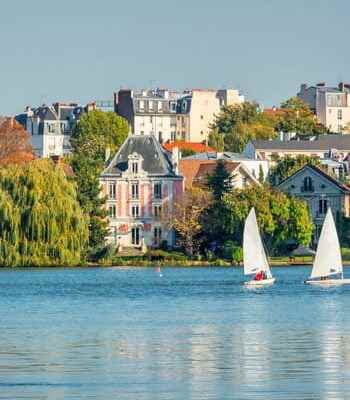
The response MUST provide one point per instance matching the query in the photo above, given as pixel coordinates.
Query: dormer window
(135, 167)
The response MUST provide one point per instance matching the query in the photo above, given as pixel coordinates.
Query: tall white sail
(254, 257)
(328, 257)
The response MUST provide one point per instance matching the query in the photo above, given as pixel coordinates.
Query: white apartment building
(170, 115)
(51, 127)
(330, 104)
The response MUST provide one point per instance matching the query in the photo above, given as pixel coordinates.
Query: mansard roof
(155, 161)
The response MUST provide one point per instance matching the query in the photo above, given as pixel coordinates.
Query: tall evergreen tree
(220, 182)
(97, 135)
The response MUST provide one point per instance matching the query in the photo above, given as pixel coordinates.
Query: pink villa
(140, 184)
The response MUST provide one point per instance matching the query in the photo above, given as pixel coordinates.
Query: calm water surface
(127, 333)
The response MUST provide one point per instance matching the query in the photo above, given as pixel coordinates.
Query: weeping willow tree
(41, 222)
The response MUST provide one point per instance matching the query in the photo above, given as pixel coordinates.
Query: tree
(286, 166)
(261, 175)
(297, 117)
(216, 140)
(186, 217)
(96, 135)
(281, 218)
(14, 143)
(240, 123)
(41, 222)
(220, 182)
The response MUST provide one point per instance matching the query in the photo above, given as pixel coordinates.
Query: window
(135, 168)
(160, 106)
(202, 117)
(157, 191)
(340, 114)
(322, 206)
(141, 104)
(135, 191)
(112, 191)
(151, 119)
(135, 236)
(307, 185)
(157, 211)
(112, 211)
(173, 106)
(157, 235)
(150, 105)
(160, 137)
(173, 135)
(135, 211)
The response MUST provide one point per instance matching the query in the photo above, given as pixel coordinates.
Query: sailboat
(254, 256)
(328, 260)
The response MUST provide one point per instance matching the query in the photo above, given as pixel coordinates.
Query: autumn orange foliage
(14, 143)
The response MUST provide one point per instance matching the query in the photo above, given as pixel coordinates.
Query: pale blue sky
(82, 50)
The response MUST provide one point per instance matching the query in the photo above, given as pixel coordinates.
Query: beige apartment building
(330, 104)
(170, 115)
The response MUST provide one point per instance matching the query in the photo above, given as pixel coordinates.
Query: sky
(83, 50)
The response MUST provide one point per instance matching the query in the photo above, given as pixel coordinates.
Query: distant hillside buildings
(170, 115)
(330, 104)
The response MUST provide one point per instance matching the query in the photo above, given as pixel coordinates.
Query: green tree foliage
(220, 182)
(213, 217)
(216, 140)
(286, 166)
(281, 218)
(240, 123)
(298, 117)
(41, 222)
(96, 135)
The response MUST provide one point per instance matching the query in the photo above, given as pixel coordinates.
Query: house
(330, 104)
(320, 191)
(141, 184)
(258, 168)
(195, 173)
(322, 147)
(51, 127)
(172, 115)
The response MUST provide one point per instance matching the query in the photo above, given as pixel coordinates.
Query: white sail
(328, 257)
(254, 257)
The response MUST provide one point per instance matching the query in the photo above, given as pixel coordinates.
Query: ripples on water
(123, 333)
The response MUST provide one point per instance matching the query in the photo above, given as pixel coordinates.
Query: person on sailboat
(260, 276)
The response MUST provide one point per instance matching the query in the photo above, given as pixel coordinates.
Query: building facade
(330, 104)
(141, 184)
(51, 127)
(170, 115)
(320, 191)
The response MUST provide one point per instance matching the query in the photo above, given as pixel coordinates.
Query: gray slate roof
(155, 161)
(324, 142)
(227, 155)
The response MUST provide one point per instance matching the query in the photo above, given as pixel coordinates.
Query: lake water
(127, 333)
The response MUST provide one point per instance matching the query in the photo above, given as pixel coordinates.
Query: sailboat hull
(263, 282)
(329, 282)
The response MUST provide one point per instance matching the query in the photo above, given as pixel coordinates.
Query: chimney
(175, 158)
(341, 86)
